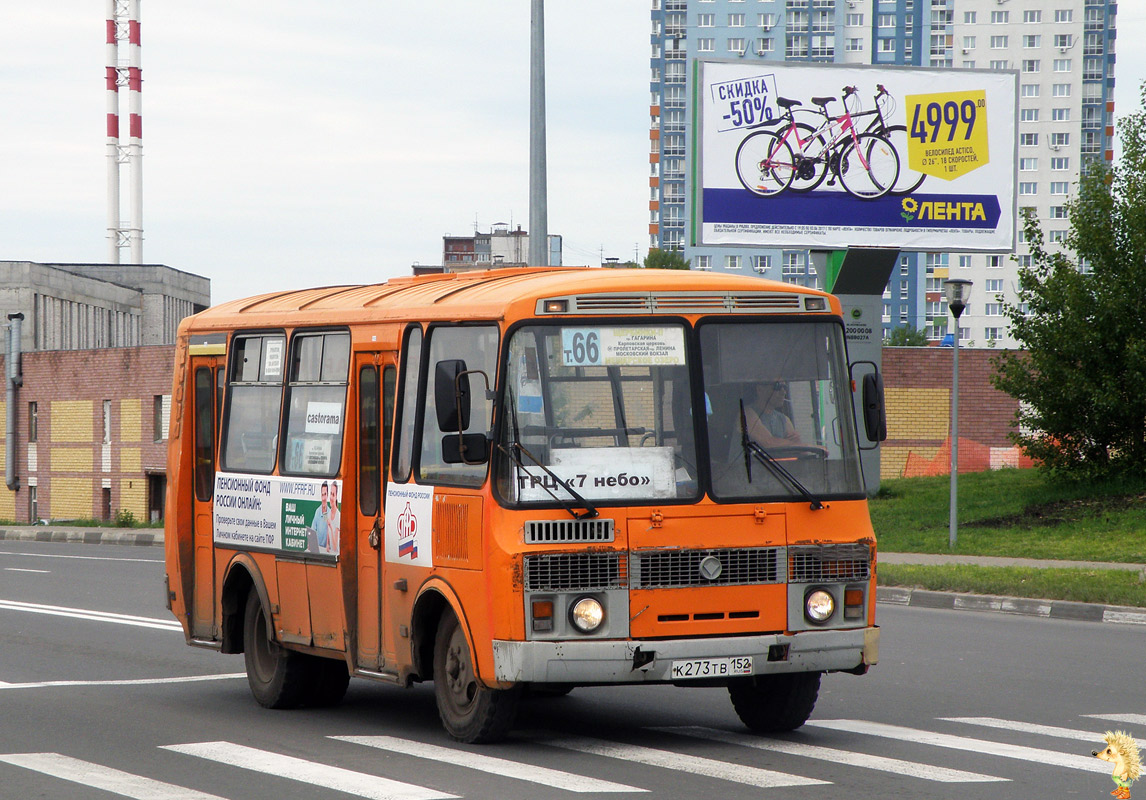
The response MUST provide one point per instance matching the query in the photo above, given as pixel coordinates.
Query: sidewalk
(894, 595)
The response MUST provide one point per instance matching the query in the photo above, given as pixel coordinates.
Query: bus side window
(408, 410)
(204, 434)
(389, 385)
(368, 453)
(254, 403)
(316, 402)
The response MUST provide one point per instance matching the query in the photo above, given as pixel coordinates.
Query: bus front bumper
(612, 661)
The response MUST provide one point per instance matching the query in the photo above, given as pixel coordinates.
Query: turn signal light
(853, 604)
(542, 616)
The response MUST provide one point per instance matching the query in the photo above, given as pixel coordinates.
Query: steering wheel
(800, 452)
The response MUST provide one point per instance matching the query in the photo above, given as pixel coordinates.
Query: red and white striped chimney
(119, 233)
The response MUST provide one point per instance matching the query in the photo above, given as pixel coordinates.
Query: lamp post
(958, 292)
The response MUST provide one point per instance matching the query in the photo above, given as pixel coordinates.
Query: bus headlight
(587, 614)
(819, 606)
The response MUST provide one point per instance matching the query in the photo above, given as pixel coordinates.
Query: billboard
(833, 156)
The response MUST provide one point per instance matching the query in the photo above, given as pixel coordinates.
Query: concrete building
(499, 247)
(1063, 49)
(85, 424)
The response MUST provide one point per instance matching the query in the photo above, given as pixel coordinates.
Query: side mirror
(874, 410)
(465, 448)
(452, 395)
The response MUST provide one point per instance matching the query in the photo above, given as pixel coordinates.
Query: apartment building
(1062, 49)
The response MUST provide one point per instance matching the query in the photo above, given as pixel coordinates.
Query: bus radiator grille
(829, 562)
(563, 531)
(670, 569)
(558, 572)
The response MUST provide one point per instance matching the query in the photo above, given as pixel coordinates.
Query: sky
(337, 142)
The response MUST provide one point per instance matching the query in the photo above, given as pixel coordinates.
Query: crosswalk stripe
(1003, 749)
(126, 682)
(496, 766)
(1130, 719)
(852, 759)
(92, 616)
(681, 762)
(97, 776)
(1030, 727)
(317, 774)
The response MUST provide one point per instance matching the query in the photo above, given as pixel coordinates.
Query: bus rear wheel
(277, 676)
(470, 712)
(775, 703)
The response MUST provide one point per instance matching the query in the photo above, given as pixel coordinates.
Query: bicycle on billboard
(867, 163)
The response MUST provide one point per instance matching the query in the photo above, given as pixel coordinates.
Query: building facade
(497, 248)
(1063, 50)
(86, 436)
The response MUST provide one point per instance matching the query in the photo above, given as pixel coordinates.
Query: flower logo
(910, 206)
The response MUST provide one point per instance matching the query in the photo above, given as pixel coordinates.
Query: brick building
(917, 384)
(88, 437)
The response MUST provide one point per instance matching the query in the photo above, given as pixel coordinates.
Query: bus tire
(470, 712)
(775, 703)
(277, 676)
(328, 681)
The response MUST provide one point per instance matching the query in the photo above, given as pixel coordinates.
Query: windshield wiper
(752, 449)
(590, 511)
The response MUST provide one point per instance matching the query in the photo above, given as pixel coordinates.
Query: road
(100, 698)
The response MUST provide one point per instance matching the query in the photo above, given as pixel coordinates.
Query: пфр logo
(407, 533)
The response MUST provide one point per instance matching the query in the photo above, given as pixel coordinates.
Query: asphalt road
(100, 698)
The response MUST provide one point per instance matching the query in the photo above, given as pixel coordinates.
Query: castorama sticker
(835, 156)
(409, 511)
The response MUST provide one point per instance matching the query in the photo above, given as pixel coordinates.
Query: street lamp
(958, 293)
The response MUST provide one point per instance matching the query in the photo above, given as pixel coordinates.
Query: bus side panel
(293, 620)
(327, 620)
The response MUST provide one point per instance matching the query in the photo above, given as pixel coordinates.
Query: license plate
(712, 667)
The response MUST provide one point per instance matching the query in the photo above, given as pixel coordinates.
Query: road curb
(82, 536)
(1048, 609)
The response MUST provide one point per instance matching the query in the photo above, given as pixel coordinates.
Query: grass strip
(1109, 587)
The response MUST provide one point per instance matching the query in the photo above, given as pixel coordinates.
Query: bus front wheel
(775, 703)
(470, 712)
(277, 677)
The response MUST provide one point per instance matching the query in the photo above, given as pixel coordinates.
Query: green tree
(665, 259)
(904, 336)
(1081, 319)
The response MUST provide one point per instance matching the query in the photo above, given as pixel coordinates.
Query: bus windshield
(600, 413)
(605, 409)
(778, 393)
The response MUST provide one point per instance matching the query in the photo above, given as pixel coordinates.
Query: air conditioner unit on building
(759, 268)
(966, 50)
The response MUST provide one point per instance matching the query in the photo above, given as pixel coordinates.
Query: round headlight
(819, 606)
(587, 614)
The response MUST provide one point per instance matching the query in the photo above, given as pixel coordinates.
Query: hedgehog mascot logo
(1121, 751)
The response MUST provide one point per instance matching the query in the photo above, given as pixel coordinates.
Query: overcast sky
(293, 144)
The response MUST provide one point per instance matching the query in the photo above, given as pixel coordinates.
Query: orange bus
(526, 480)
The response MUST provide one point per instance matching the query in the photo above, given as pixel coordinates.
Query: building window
(732, 262)
(992, 309)
(106, 422)
(1058, 212)
(33, 422)
(1000, 17)
(1028, 164)
(705, 45)
(1063, 15)
(964, 262)
(1029, 115)
(761, 263)
(1032, 40)
(1030, 65)
(157, 426)
(854, 45)
(1060, 90)
(994, 285)
(1062, 65)
(968, 17)
(1060, 163)
(1057, 236)
(736, 20)
(704, 262)
(706, 20)
(992, 334)
(736, 45)
(994, 262)
(886, 20)
(1032, 15)
(887, 45)
(1060, 115)
(854, 20)
(33, 505)
(1028, 139)
(1028, 187)
(1029, 90)
(1060, 139)
(1002, 64)
(998, 42)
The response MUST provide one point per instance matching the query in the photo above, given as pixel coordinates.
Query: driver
(764, 417)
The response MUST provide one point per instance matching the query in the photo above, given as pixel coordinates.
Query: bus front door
(375, 379)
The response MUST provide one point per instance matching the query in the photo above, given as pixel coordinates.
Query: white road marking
(1132, 719)
(987, 748)
(681, 762)
(1030, 727)
(20, 569)
(94, 616)
(99, 777)
(359, 784)
(82, 558)
(127, 682)
(852, 759)
(496, 766)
